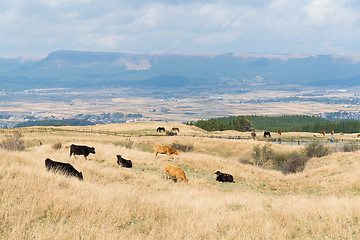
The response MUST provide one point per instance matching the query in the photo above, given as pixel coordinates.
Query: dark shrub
(350, 147)
(182, 147)
(292, 162)
(57, 146)
(316, 150)
(263, 154)
(286, 162)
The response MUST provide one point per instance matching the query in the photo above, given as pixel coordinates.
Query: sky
(34, 28)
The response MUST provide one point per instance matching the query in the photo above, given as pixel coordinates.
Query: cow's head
(92, 150)
(217, 173)
(174, 151)
(119, 158)
(80, 176)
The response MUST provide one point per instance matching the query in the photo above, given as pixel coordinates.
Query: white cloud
(250, 26)
(330, 12)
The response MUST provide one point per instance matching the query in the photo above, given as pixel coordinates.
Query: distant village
(11, 120)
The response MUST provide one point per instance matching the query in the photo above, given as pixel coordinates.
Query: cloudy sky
(34, 28)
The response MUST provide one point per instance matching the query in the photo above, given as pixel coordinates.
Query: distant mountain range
(76, 69)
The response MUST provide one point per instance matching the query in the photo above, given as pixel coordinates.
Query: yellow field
(139, 203)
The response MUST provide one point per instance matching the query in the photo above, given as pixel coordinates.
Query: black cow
(124, 162)
(81, 150)
(160, 129)
(267, 134)
(224, 177)
(65, 168)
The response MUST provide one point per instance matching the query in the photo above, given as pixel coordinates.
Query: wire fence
(276, 140)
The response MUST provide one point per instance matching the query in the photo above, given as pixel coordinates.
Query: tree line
(288, 123)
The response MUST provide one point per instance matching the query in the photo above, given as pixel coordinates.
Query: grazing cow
(253, 135)
(314, 136)
(224, 177)
(65, 168)
(171, 133)
(175, 173)
(322, 133)
(165, 150)
(175, 129)
(124, 162)
(81, 150)
(358, 135)
(160, 129)
(267, 134)
(279, 132)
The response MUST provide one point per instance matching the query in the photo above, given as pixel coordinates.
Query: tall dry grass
(139, 203)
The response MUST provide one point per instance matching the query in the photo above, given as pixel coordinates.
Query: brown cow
(253, 134)
(358, 135)
(175, 173)
(165, 150)
(175, 129)
(279, 132)
(314, 136)
(322, 133)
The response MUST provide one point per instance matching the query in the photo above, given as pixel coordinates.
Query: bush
(350, 148)
(286, 162)
(291, 162)
(316, 150)
(13, 142)
(263, 154)
(182, 147)
(57, 146)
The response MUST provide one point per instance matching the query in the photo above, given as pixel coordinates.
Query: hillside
(69, 69)
(116, 203)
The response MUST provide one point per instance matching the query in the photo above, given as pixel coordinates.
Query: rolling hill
(120, 203)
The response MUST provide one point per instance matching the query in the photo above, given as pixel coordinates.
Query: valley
(174, 104)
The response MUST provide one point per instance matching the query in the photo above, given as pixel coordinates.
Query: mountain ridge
(66, 68)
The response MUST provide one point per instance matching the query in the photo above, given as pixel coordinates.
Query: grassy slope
(138, 203)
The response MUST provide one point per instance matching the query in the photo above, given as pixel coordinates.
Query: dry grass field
(112, 202)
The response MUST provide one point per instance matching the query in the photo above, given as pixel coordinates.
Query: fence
(278, 140)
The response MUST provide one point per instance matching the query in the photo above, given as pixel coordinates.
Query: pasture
(113, 202)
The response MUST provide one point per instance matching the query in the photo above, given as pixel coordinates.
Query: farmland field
(139, 203)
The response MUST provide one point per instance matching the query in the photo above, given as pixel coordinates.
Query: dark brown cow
(175, 129)
(267, 134)
(224, 177)
(160, 129)
(81, 150)
(124, 162)
(279, 132)
(253, 135)
(65, 168)
(322, 133)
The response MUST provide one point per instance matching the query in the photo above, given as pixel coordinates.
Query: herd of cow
(172, 172)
